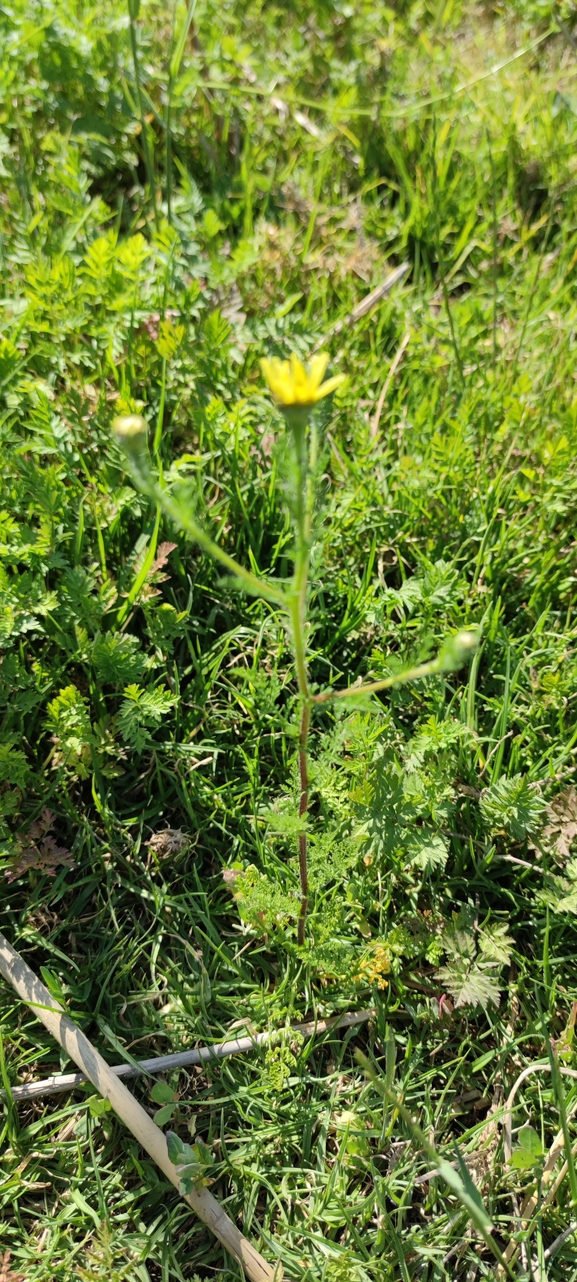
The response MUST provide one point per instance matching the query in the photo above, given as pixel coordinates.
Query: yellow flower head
(374, 966)
(298, 386)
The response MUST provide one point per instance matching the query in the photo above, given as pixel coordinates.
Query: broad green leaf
(530, 1141)
(163, 1115)
(161, 1093)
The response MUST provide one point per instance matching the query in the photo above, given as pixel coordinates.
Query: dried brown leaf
(561, 831)
(40, 826)
(38, 849)
(230, 877)
(167, 842)
(6, 1273)
(162, 554)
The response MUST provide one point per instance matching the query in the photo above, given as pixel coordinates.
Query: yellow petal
(317, 369)
(330, 385)
(300, 388)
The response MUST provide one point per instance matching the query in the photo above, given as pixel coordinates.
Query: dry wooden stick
(557, 1144)
(531, 1202)
(365, 305)
(387, 383)
(17, 973)
(182, 1059)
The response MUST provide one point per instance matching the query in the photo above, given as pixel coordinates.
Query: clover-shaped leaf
(530, 1151)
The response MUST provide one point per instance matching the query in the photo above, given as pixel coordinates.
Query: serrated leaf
(512, 804)
(283, 822)
(495, 944)
(141, 710)
(567, 903)
(118, 658)
(469, 985)
(561, 831)
(459, 942)
(427, 850)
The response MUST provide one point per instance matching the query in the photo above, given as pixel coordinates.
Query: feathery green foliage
(157, 239)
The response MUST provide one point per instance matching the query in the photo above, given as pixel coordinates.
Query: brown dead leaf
(167, 842)
(162, 554)
(561, 830)
(38, 849)
(155, 574)
(6, 1273)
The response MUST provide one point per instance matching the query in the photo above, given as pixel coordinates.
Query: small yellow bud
(131, 432)
(129, 426)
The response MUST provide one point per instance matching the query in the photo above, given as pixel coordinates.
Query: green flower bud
(129, 426)
(131, 432)
(458, 649)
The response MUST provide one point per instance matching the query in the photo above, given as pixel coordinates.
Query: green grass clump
(186, 192)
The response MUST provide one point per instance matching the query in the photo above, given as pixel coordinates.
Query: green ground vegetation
(181, 194)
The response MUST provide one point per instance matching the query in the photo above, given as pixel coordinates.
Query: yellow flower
(374, 967)
(298, 386)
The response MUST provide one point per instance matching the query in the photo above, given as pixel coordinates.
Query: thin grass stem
(133, 7)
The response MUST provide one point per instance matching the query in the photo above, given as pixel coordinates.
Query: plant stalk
(133, 14)
(372, 687)
(306, 460)
(303, 807)
(298, 620)
(184, 521)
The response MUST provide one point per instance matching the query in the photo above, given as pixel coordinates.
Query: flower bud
(131, 432)
(458, 649)
(129, 426)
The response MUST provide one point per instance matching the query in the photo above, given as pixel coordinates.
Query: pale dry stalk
(17, 973)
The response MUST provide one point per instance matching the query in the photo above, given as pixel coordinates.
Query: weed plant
(185, 194)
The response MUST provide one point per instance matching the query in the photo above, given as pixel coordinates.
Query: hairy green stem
(133, 7)
(183, 519)
(410, 674)
(306, 460)
(298, 622)
(303, 807)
